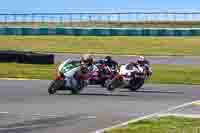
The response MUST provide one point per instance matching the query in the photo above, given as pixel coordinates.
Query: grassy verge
(175, 74)
(165, 74)
(104, 45)
(162, 125)
(13, 70)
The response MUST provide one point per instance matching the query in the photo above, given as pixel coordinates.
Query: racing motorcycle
(131, 76)
(100, 75)
(59, 82)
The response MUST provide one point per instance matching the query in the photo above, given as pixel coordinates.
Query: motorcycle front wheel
(113, 84)
(54, 86)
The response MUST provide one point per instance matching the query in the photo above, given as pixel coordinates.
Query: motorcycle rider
(110, 62)
(74, 71)
(84, 59)
(88, 60)
(143, 62)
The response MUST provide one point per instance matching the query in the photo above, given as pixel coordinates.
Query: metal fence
(126, 19)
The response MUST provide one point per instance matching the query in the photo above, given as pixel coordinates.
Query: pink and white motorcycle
(131, 76)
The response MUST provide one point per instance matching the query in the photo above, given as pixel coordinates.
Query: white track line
(197, 103)
(181, 115)
(146, 117)
(3, 112)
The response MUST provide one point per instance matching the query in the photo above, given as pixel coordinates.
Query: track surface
(174, 60)
(27, 107)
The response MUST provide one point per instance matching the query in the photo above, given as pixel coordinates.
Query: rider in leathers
(110, 62)
(75, 71)
(143, 62)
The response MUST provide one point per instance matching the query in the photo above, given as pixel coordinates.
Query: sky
(50, 6)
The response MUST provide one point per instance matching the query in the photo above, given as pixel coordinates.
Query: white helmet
(141, 58)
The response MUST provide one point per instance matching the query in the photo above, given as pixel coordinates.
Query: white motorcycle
(131, 76)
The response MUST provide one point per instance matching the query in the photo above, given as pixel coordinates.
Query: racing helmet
(90, 59)
(87, 59)
(107, 58)
(84, 59)
(141, 60)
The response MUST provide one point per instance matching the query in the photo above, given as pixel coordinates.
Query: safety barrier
(102, 31)
(26, 57)
(8, 56)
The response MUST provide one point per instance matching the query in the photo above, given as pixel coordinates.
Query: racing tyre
(135, 85)
(110, 87)
(55, 85)
(52, 87)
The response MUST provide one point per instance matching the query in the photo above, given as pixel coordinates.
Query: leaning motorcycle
(59, 82)
(100, 75)
(130, 76)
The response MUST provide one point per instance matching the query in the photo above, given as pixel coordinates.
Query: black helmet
(107, 59)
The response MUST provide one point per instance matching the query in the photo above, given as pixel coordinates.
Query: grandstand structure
(107, 20)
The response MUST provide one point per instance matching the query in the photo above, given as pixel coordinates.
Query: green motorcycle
(70, 76)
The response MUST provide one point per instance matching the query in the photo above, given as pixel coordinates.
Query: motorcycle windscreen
(62, 65)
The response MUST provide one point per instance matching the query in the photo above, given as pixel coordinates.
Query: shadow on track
(96, 94)
(158, 92)
(116, 94)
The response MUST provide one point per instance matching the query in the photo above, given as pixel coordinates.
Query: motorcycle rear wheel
(137, 85)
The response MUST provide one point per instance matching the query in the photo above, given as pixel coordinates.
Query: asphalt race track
(173, 60)
(25, 106)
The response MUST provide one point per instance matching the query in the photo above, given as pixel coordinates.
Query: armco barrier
(8, 56)
(102, 31)
(26, 57)
(33, 58)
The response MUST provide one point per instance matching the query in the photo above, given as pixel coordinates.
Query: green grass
(162, 125)
(175, 74)
(164, 74)
(13, 70)
(104, 45)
